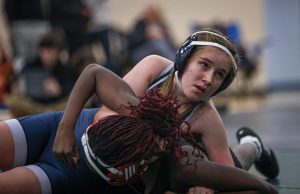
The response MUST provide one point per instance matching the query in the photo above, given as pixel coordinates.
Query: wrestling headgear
(191, 43)
(113, 175)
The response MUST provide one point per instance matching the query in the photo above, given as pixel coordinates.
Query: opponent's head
(119, 148)
(200, 39)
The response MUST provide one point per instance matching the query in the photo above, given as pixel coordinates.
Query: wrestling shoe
(266, 162)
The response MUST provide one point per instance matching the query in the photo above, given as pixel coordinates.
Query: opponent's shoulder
(207, 108)
(206, 117)
(147, 69)
(154, 62)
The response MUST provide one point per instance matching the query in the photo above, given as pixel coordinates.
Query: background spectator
(57, 77)
(46, 81)
(150, 35)
(28, 23)
(72, 16)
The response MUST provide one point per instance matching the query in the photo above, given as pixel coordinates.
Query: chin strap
(178, 83)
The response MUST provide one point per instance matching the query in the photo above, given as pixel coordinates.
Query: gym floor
(276, 118)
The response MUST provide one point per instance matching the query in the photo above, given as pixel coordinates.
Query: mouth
(201, 88)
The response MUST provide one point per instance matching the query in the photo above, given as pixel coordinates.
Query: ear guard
(113, 175)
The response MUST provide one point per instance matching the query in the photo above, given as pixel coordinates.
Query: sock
(254, 141)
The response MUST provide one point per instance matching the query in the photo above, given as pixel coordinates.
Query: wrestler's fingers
(70, 159)
(76, 155)
(200, 190)
(73, 159)
(57, 157)
(62, 158)
(170, 192)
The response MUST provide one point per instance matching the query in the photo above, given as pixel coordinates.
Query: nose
(208, 77)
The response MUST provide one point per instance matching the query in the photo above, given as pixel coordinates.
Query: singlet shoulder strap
(162, 77)
(189, 116)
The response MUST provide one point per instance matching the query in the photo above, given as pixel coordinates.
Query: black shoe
(267, 163)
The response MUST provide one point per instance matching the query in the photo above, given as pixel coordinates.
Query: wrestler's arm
(140, 77)
(208, 124)
(224, 179)
(111, 90)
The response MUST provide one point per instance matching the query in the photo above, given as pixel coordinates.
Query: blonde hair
(166, 88)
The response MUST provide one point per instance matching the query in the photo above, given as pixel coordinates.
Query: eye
(204, 65)
(221, 74)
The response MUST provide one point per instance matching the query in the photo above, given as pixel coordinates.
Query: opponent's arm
(140, 76)
(111, 90)
(224, 179)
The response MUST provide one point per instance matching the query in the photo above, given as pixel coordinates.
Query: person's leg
(245, 154)
(22, 140)
(6, 147)
(19, 180)
(251, 150)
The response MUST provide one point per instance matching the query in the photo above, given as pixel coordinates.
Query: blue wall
(283, 52)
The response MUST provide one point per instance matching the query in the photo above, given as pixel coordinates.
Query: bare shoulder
(145, 72)
(206, 118)
(207, 109)
(153, 63)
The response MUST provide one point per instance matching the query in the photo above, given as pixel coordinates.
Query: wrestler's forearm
(237, 192)
(64, 147)
(81, 92)
(111, 90)
(199, 172)
(223, 178)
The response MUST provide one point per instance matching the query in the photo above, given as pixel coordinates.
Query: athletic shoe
(267, 163)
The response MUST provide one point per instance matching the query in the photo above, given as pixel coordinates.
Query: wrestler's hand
(200, 190)
(65, 149)
(195, 190)
(170, 192)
